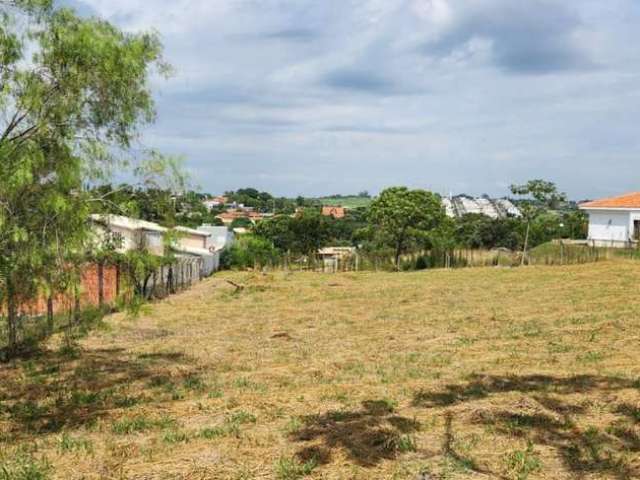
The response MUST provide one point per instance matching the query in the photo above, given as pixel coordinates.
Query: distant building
(237, 213)
(215, 202)
(333, 211)
(461, 205)
(615, 221)
(333, 257)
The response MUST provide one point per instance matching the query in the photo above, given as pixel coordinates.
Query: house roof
(192, 231)
(626, 201)
(127, 223)
(334, 211)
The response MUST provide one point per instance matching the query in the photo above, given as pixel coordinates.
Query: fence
(550, 254)
(101, 288)
(169, 279)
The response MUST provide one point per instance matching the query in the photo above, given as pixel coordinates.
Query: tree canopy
(400, 215)
(74, 92)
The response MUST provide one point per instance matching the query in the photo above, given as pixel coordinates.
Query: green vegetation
(75, 90)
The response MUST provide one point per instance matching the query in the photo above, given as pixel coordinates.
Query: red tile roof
(335, 212)
(628, 200)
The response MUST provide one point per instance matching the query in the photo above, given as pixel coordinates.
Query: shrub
(250, 251)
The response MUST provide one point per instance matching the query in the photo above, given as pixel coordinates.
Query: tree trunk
(50, 314)
(526, 244)
(397, 255)
(76, 305)
(12, 320)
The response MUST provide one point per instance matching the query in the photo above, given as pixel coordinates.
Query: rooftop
(127, 222)
(628, 200)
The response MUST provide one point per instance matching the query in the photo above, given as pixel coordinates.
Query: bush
(250, 251)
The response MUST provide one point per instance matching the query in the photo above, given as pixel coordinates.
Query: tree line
(401, 221)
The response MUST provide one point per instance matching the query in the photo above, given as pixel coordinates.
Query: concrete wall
(611, 227)
(192, 241)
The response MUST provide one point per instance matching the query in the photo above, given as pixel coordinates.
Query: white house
(220, 237)
(129, 233)
(614, 222)
(132, 234)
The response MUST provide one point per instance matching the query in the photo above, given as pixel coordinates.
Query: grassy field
(348, 202)
(474, 374)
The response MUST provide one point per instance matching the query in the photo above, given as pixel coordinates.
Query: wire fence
(550, 254)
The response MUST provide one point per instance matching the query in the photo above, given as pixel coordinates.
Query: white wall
(610, 227)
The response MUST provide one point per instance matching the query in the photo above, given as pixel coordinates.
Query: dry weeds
(480, 373)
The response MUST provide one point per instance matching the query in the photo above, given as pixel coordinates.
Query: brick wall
(89, 292)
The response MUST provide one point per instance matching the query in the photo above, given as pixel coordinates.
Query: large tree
(400, 215)
(73, 92)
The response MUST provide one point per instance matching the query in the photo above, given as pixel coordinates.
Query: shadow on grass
(368, 435)
(51, 391)
(556, 413)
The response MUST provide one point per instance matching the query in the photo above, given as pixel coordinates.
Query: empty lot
(478, 373)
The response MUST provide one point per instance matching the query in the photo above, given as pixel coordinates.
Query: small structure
(333, 211)
(614, 222)
(333, 257)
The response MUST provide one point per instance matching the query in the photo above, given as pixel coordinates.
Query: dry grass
(478, 373)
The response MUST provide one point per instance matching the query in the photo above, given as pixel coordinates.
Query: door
(636, 229)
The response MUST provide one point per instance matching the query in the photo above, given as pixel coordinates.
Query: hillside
(478, 373)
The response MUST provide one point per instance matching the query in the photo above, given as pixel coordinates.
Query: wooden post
(50, 325)
(76, 304)
(117, 280)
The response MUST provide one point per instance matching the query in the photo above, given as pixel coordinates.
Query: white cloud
(469, 94)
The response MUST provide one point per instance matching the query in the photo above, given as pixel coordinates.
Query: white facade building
(614, 222)
(493, 208)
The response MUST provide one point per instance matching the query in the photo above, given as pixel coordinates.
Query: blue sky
(336, 96)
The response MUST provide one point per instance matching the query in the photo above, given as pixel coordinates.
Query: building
(189, 237)
(461, 205)
(232, 214)
(219, 237)
(334, 257)
(215, 202)
(197, 244)
(615, 221)
(127, 234)
(333, 211)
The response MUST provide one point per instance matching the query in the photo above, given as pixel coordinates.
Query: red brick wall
(89, 292)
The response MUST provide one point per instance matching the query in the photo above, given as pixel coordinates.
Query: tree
(540, 196)
(303, 233)
(250, 251)
(73, 92)
(400, 215)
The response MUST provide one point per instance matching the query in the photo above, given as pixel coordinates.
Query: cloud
(359, 80)
(453, 95)
(537, 36)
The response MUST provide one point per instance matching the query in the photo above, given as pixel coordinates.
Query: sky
(320, 97)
